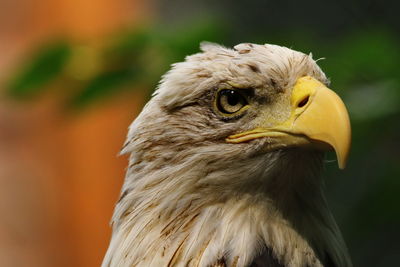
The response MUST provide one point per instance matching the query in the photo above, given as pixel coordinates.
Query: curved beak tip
(325, 118)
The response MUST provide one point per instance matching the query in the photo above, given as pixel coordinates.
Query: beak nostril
(303, 102)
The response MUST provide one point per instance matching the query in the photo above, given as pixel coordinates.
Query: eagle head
(225, 164)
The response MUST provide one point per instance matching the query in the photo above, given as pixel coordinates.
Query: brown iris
(230, 101)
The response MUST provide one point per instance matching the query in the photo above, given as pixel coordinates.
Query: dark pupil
(232, 98)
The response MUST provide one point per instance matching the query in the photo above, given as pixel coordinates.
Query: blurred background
(74, 74)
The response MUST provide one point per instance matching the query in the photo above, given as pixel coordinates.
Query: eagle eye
(229, 101)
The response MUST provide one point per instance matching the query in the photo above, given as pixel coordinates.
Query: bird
(226, 162)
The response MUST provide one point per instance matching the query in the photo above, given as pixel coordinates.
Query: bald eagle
(225, 165)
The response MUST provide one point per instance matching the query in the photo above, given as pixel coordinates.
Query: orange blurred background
(60, 174)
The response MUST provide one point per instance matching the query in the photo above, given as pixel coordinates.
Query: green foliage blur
(134, 58)
(362, 62)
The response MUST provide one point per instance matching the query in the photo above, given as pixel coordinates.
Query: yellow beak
(318, 117)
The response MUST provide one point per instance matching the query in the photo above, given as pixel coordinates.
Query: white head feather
(191, 199)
